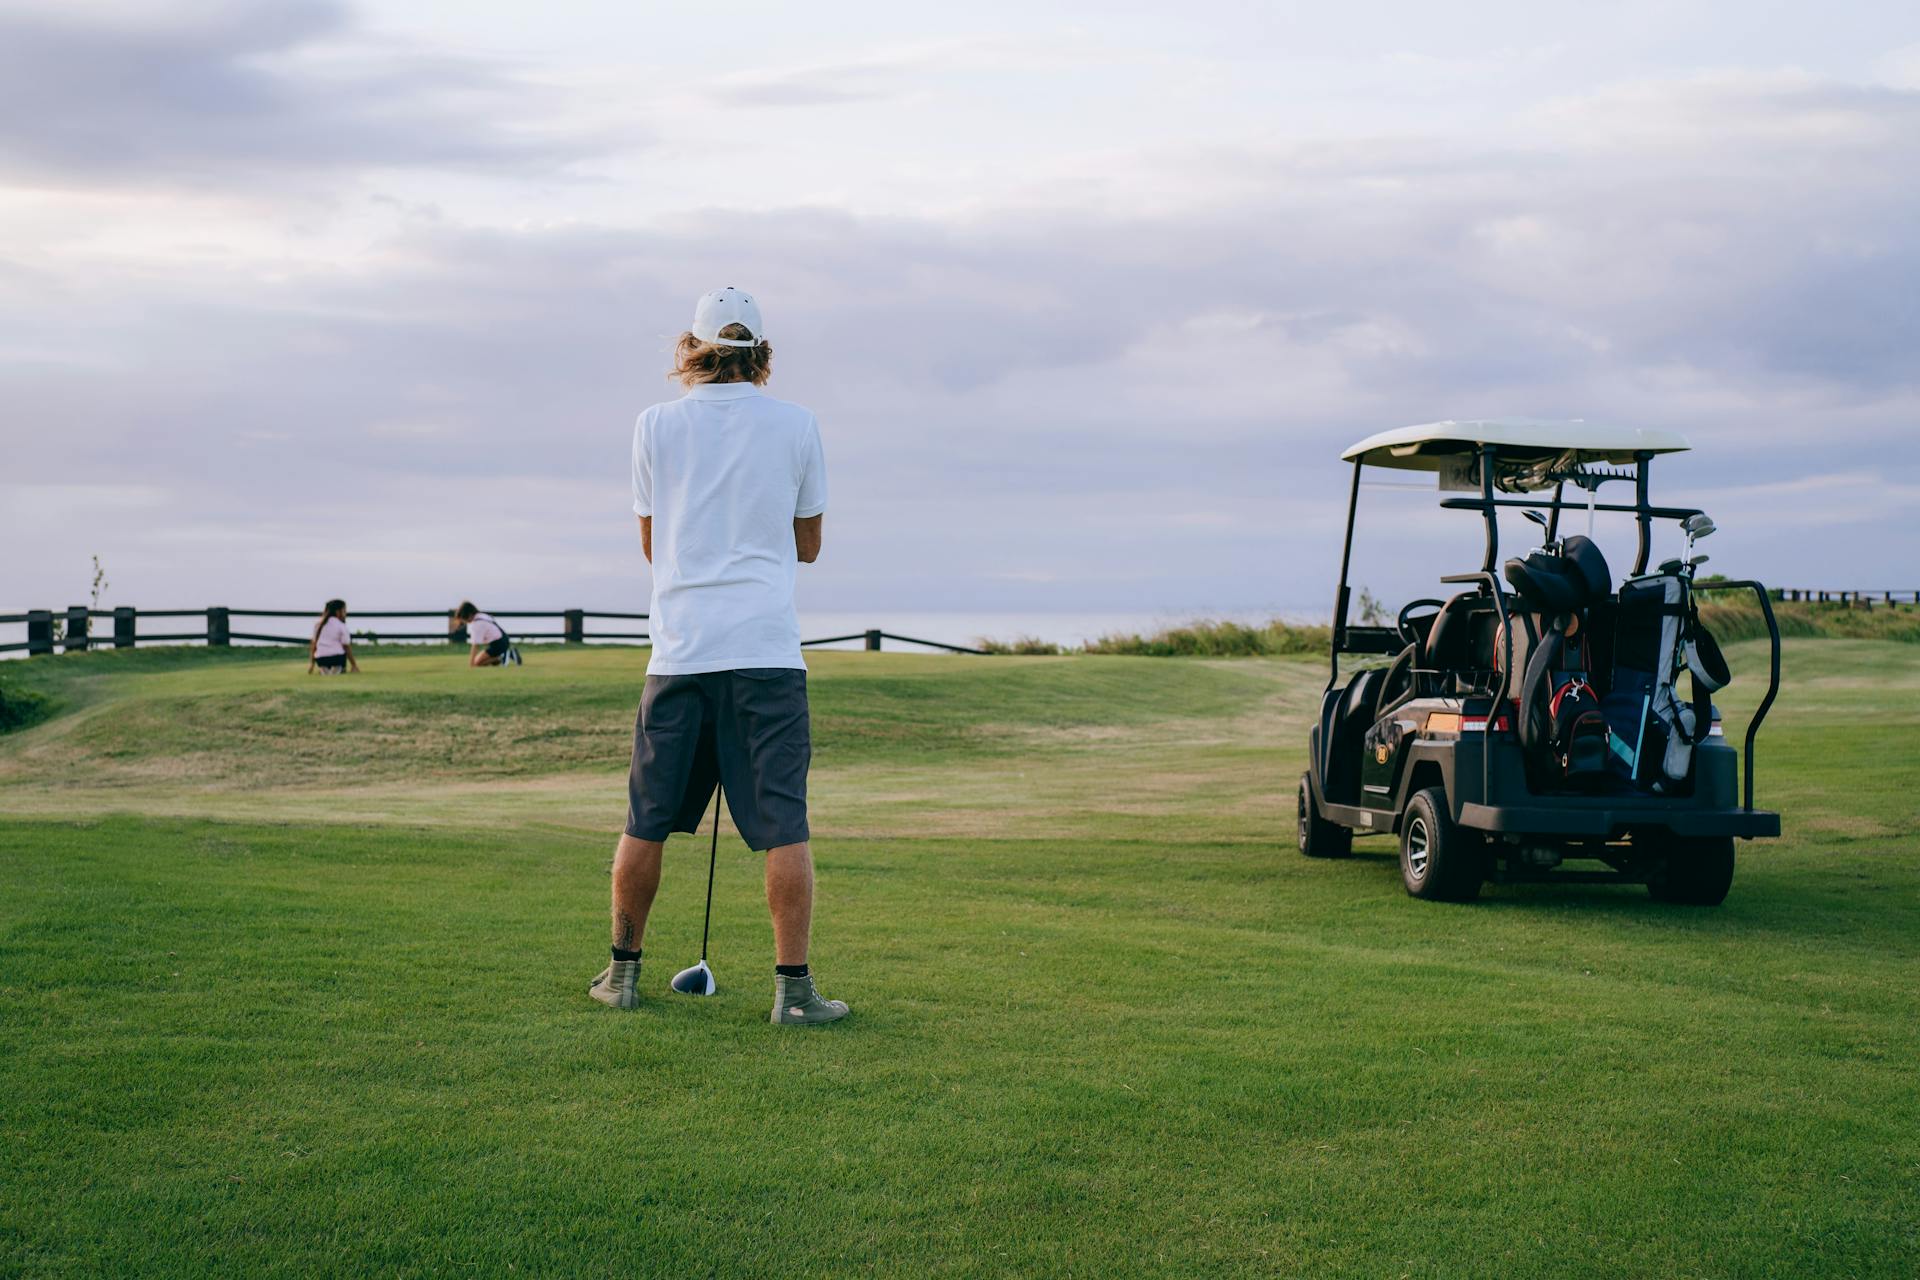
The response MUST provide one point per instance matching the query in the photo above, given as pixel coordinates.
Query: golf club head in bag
(697, 981)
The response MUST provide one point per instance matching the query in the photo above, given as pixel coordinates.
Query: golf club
(699, 980)
(1548, 544)
(1696, 527)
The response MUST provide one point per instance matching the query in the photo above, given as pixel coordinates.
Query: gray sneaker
(618, 985)
(795, 1002)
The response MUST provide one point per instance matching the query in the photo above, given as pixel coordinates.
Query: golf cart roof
(1434, 446)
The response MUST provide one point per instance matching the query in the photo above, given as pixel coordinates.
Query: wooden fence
(74, 632)
(1850, 599)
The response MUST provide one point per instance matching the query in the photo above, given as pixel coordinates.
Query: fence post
(576, 625)
(873, 642)
(39, 631)
(123, 621)
(219, 631)
(76, 637)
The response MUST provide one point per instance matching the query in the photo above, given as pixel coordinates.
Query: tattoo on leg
(622, 931)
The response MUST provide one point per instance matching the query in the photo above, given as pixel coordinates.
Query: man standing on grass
(730, 486)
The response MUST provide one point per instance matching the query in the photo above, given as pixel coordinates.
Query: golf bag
(1658, 636)
(1563, 731)
(1577, 732)
(1563, 734)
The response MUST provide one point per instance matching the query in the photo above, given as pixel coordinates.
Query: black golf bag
(1564, 734)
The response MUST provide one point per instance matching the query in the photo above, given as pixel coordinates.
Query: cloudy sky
(314, 298)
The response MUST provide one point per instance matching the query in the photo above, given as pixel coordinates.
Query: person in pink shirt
(330, 652)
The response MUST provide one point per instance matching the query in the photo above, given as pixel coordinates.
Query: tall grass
(1217, 639)
(1736, 616)
(1730, 616)
(1020, 645)
(1205, 638)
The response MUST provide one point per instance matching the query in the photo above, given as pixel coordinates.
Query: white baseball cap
(716, 310)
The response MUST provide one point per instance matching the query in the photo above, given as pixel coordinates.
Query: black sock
(791, 970)
(621, 953)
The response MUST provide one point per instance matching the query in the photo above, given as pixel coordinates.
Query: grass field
(292, 982)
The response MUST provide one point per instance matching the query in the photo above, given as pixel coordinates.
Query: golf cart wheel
(1693, 872)
(1318, 837)
(1439, 862)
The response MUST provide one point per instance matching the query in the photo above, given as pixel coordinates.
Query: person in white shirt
(730, 487)
(330, 652)
(488, 644)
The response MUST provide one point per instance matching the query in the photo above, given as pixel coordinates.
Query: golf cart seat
(1463, 642)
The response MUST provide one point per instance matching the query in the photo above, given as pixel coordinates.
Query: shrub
(1018, 645)
(1218, 639)
(21, 707)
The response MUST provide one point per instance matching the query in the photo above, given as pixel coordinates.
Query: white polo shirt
(725, 471)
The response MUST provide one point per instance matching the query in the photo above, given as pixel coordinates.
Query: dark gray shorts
(746, 730)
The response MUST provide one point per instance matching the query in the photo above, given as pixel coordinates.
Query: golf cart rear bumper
(1611, 821)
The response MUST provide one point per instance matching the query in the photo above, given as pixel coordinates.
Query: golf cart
(1535, 715)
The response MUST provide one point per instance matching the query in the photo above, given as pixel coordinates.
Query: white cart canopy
(1445, 446)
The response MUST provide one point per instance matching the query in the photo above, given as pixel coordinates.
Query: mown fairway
(292, 981)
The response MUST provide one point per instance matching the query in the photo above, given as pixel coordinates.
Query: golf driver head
(697, 981)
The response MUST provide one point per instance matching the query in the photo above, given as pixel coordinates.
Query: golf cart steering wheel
(1405, 628)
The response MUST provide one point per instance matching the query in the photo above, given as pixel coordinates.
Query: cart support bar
(1773, 669)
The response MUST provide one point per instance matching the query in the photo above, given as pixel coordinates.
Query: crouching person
(330, 652)
(488, 644)
(729, 486)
